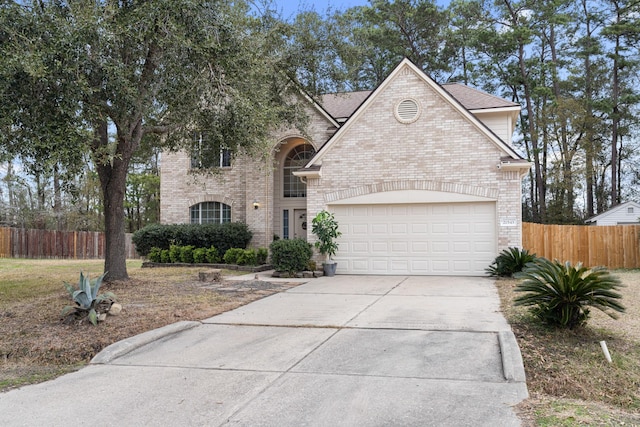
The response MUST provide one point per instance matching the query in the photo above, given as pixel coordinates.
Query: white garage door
(417, 239)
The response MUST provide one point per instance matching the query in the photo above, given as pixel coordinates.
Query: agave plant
(509, 262)
(561, 294)
(86, 298)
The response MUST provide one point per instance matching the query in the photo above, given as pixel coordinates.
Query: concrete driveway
(341, 351)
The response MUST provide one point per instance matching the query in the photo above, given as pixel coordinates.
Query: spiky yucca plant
(509, 262)
(561, 294)
(86, 298)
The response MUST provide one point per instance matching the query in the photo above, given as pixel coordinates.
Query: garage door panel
(360, 248)
(454, 238)
(380, 248)
(461, 228)
(461, 248)
(399, 210)
(420, 266)
(400, 228)
(420, 247)
(439, 209)
(398, 248)
(359, 229)
(440, 228)
(419, 228)
(440, 247)
(400, 266)
(461, 266)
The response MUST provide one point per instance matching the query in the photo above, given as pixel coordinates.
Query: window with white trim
(208, 154)
(297, 158)
(210, 213)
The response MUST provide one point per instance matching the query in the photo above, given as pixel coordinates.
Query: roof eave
(308, 173)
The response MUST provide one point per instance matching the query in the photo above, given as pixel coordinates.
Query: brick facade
(374, 153)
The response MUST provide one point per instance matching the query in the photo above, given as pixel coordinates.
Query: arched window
(297, 158)
(210, 212)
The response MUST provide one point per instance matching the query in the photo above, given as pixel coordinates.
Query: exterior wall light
(256, 205)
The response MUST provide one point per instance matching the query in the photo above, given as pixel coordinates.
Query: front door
(300, 224)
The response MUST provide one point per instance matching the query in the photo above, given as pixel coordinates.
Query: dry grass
(569, 380)
(35, 345)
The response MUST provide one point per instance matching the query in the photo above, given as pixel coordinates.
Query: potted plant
(325, 227)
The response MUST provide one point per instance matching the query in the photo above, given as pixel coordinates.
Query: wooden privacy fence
(25, 243)
(614, 246)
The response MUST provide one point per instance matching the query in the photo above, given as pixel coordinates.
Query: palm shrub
(561, 294)
(87, 300)
(509, 262)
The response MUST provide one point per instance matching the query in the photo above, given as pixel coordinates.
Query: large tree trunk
(115, 256)
(113, 179)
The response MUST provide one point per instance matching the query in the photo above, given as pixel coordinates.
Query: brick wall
(248, 179)
(440, 151)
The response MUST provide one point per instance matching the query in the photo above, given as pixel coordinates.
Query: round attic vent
(407, 111)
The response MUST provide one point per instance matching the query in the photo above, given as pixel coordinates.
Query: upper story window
(210, 212)
(297, 158)
(208, 153)
(630, 210)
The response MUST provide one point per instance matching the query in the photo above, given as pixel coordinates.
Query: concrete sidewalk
(341, 351)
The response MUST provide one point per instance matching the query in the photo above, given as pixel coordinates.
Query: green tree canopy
(105, 75)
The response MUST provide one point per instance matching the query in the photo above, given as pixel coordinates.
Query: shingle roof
(343, 105)
(474, 99)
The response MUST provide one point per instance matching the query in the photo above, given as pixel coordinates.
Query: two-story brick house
(422, 179)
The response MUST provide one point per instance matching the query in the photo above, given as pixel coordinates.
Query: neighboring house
(624, 213)
(422, 179)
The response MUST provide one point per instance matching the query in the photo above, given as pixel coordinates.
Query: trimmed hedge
(222, 236)
(190, 255)
(290, 255)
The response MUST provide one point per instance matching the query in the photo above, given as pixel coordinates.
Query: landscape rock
(115, 309)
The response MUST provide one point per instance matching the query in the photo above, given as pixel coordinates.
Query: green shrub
(231, 256)
(247, 257)
(154, 235)
(222, 236)
(165, 258)
(560, 294)
(290, 256)
(212, 255)
(261, 256)
(155, 255)
(174, 253)
(186, 254)
(509, 262)
(87, 300)
(200, 255)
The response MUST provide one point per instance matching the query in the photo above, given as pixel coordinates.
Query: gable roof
(474, 99)
(518, 161)
(343, 104)
(613, 211)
